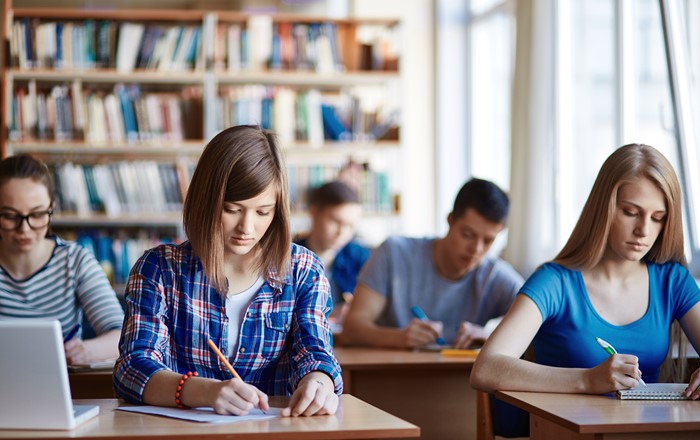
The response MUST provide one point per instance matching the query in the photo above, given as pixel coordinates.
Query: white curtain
(532, 225)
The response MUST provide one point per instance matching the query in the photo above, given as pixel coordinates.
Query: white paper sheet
(205, 415)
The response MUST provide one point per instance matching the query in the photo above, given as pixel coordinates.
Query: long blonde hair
(588, 241)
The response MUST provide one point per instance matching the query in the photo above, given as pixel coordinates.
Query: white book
(78, 188)
(233, 48)
(128, 45)
(166, 49)
(96, 132)
(283, 117)
(183, 46)
(315, 118)
(655, 391)
(259, 41)
(115, 120)
(205, 56)
(107, 190)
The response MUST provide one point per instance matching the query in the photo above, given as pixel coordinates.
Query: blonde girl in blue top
(620, 277)
(239, 282)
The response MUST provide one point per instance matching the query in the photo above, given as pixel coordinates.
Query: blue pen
(73, 333)
(611, 351)
(420, 314)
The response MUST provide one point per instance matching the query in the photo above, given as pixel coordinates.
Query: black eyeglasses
(35, 220)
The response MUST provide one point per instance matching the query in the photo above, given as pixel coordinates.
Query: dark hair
(485, 197)
(26, 166)
(334, 193)
(237, 164)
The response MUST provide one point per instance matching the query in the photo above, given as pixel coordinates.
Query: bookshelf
(121, 102)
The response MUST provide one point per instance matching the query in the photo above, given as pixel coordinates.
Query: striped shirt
(70, 284)
(172, 309)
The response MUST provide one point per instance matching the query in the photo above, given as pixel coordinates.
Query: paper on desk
(97, 365)
(205, 415)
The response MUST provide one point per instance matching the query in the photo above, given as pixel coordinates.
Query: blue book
(244, 48)
(333, 128)
(191, 55)
(28, 41)
(128, 114)
(266, 113)
(58, 62)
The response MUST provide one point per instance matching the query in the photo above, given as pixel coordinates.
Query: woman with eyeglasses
(43, 276)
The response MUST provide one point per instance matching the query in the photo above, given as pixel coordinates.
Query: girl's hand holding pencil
(235, 396)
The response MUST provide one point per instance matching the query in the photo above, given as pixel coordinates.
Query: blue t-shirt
(570, 323)
(403, 271)
(343, 271)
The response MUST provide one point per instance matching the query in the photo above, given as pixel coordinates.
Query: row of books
(127, 114)
(262, 44)
(150, 187)
(354, 114)
(136, 187)
(123, 114)
(118, 250)
(257, 44)
(90, 44)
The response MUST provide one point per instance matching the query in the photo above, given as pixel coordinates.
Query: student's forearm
(105, 346)
(500, 372)
(160, 390)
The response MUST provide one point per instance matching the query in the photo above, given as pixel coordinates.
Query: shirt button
(242, 350)
(249, 314)
(286, 326)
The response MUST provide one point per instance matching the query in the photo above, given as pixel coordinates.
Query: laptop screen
(34, 376)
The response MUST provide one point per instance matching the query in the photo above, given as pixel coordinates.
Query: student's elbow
(352, 331)
(481, 378)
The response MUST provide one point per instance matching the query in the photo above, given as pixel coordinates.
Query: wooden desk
(91, 384)
(424, 388)
(355, 420)
(580, 416)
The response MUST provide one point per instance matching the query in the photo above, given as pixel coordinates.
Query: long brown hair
(237, 164)
(588, 241)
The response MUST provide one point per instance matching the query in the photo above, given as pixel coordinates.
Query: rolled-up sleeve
(312, 346)
(145, 333)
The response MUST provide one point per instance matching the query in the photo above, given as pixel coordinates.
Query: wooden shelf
(171, 219)
(170, 148)
(193, 148)
(286, 78)
(107, 76)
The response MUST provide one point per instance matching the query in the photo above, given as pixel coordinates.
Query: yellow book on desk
(655, 391)
(460, 352)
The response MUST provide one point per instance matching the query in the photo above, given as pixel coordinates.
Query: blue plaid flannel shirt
(172, 309)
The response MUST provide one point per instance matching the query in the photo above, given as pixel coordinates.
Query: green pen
(611, 351)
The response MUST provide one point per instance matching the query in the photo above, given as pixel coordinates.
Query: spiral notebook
(655, 391)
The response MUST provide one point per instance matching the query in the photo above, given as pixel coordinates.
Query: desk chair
(484, 419)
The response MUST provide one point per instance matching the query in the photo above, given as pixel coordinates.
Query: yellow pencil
(223, 359)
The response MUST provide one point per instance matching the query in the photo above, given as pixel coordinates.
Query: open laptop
(34, 378)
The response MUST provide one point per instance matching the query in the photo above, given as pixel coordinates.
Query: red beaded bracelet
(180, 384)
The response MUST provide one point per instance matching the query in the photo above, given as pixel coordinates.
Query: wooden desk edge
(533, 410)
(596, 428)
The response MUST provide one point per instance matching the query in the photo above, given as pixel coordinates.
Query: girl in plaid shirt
(239, 282)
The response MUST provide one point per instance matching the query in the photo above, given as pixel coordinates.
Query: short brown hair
(589, 238)
(26, 166)
(237, 164)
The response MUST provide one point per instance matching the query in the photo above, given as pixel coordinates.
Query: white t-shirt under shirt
(236, 306)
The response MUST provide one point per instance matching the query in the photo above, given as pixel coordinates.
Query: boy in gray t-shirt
(449, 278)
